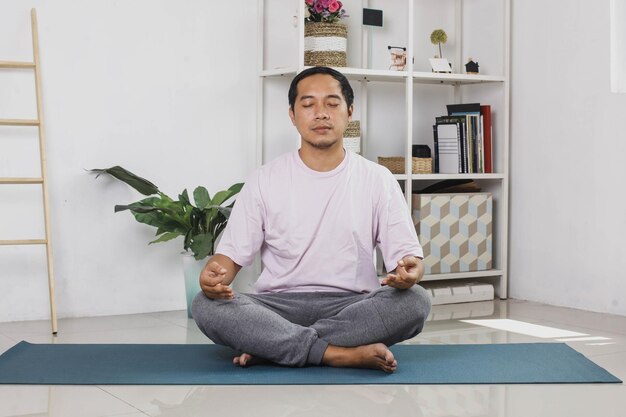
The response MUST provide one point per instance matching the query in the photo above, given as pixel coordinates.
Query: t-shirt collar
(320, 174)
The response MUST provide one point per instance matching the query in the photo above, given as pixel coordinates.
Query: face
(320, 112)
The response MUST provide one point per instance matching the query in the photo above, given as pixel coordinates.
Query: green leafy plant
(438, 37)
(199, 224)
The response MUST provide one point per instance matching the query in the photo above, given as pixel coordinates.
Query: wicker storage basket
(352, 137)
(395, 164)
(325, 44)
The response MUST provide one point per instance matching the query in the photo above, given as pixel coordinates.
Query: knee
(204, 313)
(415, 304)
(420, 304)
(198, 305)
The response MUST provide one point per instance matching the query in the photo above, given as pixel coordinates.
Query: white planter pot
(192, 269)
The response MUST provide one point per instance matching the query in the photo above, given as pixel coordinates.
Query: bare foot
(246, 359)
(374, 356)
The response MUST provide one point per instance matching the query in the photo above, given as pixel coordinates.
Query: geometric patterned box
(455, 231)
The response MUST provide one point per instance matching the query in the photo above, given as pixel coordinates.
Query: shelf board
(454, 79)
(357, 74)
(439, 177)
(396, 76)
(421, 177)
(361, 74)
(279, 72)
(462, 275)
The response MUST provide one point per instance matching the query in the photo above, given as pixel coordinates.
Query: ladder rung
(15, 64)
(19, 122)
(21, 180)
(24, 242)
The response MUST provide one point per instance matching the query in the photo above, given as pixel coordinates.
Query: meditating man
(316, 216)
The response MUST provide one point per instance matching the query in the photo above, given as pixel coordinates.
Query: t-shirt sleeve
(396, 236)
(244, 234)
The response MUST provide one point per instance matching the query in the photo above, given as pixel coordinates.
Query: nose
(320, 114)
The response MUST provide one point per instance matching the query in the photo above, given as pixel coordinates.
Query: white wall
(166, 89)
(568, 147)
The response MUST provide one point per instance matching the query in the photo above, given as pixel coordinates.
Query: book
(485, 112)
(436, 151)
(449, 144)
(472, 112)
(460, 123)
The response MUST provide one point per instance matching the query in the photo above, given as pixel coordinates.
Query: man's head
(346, 88)
(320, 106)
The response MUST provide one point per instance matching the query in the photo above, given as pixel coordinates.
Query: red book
(485, 112)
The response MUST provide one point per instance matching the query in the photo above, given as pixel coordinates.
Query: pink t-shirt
(317, 231)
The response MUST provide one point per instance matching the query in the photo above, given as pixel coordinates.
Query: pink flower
(309, 2)
(340, 4)
(333, 7)
(318, 7)
(325, 3)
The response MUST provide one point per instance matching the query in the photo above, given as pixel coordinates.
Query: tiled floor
(602, 339)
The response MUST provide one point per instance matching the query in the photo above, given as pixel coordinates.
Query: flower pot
(192, 269)
(325, 44)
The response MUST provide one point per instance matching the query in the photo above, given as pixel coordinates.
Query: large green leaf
(184, 197)
(201, 197)
(165, 237)
(202, 245)
(224, 195)
(142, 185)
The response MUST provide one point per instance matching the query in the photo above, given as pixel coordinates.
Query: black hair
(346, 89)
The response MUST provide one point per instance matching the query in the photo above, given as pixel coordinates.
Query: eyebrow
(335, 96)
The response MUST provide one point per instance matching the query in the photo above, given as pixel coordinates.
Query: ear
(350, 110)
(292, 116)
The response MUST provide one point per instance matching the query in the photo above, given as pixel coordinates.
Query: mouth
(321, 129)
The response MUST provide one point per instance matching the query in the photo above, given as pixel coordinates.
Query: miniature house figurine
(471, 67)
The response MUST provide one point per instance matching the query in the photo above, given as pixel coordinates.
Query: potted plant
(199, 224)
(325, 37)
(439, 63)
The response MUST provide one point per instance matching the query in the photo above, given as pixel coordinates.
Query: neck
(322, 160)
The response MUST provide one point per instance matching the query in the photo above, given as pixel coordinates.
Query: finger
(218, 291)
(408, 262)
(211, 281)
(398, 282)
(217, 268)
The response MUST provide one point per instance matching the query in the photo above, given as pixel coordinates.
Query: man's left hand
(408, 273)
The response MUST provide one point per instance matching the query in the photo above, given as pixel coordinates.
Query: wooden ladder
(43, 180)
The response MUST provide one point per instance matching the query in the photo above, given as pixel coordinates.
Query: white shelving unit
(401, 105)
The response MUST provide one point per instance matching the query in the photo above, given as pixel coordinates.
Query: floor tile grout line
(100, 387)
(607, 353)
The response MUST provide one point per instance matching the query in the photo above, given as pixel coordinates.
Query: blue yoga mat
(129, 364)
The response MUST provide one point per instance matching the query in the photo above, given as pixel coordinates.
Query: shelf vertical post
(408, 186)
(300, 18)
(504, 205)
(260, 82)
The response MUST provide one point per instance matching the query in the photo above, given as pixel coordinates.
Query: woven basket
(353, 130)
(395, 164)
(325, 44)
(352, 137)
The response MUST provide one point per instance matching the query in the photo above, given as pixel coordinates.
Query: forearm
(228, 264)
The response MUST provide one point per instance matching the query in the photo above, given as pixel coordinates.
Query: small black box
(373, 17)
(421, 151)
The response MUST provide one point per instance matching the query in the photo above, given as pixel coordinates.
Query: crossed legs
(298, 329)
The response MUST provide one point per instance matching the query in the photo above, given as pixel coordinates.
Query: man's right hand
(212, 282)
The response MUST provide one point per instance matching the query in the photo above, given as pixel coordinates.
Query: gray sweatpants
(294, 329)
